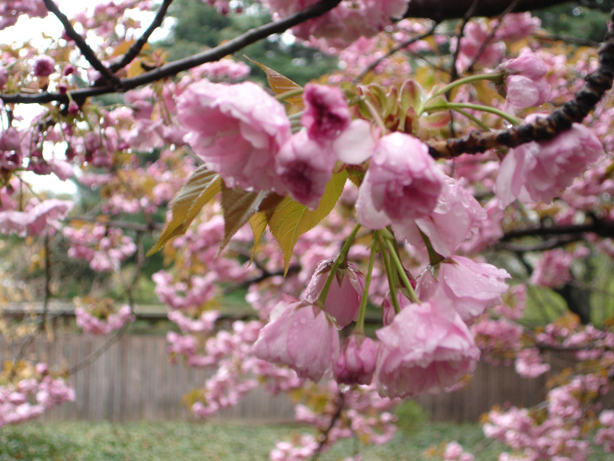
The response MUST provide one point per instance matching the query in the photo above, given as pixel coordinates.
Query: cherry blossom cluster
(104, 248)
(101, 318)
(556, 431)
(29, 397)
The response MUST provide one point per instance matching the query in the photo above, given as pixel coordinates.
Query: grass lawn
(171, 441)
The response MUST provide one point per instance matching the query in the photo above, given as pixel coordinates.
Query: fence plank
(134, 380)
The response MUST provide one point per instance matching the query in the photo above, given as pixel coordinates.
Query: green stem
(360, 323)
(475, 120)
(495, 77)
(376, 116)
(392, 278)
(338, 260)
(289, 94)
(406, 283)
(459, 105)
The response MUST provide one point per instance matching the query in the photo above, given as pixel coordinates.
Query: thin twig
(464, 21)
(392, 51)
(494, 30)
(265, 275)
(568, 39)
(324, 435)
(137, 46)
(85, 49)
(138, 227)
(175, 67)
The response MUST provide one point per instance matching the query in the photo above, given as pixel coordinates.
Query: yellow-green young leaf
(201, 187)
(238, 206)
(291, 219)
(280, 84)
(259, 221)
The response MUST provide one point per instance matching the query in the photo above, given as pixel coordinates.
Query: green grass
(166, 441)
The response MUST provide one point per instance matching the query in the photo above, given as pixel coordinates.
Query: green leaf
(260, 220)
(291, 219)
(238, 206)
(280, 84)
(201, 187)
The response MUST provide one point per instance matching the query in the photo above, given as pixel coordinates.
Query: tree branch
(137, 46)
(440, 10)
(175, 67)
(542, 129)
(86, 51)
(598, 227)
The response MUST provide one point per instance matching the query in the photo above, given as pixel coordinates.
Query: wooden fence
(133, 380)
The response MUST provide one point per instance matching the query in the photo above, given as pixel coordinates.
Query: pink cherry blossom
(457, 217)
(402, 184)
(305, 167)
(538, 171)
(525, 81)
(326, 113)
(426, 349)
(515, 26)
(356, 361)
(344, 295)
(468, 286)
(237, 129)
(302, 337)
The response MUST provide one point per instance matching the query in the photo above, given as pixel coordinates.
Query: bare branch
(85, 49)
(175, 67)
(137, 46)
(440, 10)
(598, 227)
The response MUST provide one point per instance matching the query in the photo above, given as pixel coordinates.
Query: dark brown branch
(175, 67)
(541, 246)
(137, 46)
(86, 51)
(397, 48)
(598, 227)
(440, 10)
(542, 129)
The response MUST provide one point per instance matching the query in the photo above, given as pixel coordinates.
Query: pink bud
(43, 66)
(356, 361)
(345, 293)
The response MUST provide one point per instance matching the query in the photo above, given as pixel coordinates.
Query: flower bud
(356, 361)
